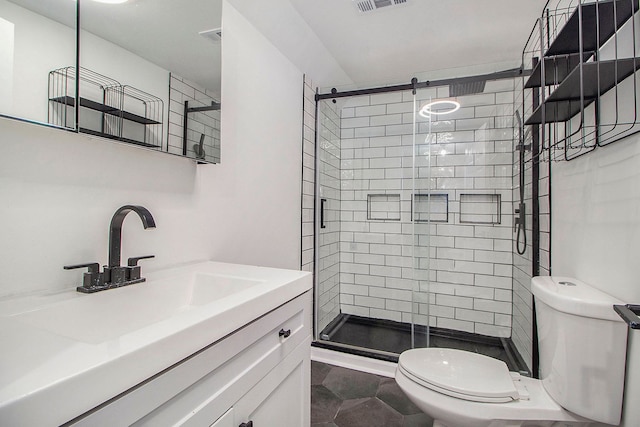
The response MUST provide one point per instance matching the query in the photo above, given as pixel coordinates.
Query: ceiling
(396, 43)
(389, 45)
(164, 32)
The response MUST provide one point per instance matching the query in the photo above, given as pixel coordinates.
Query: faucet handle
(132, 262)
(92, 279)
(134, 268)
(93, 267)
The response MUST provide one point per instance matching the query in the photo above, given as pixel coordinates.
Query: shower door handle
(322, 203)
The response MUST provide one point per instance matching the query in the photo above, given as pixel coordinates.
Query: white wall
(596, 219)
(127, 68)
(257, 187)
(281, 24)
(60, 189)
(6, 65)
(596, 230)
(41, 45)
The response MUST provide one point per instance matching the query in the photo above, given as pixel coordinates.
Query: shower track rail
(415, 84)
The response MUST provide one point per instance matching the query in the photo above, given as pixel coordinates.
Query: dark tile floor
(343, 397)
(395, 337)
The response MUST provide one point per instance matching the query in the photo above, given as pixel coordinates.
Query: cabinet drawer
(201, 388)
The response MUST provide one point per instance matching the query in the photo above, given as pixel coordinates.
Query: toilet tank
(582, 345)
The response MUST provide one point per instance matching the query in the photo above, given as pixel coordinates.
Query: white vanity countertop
(64, 354)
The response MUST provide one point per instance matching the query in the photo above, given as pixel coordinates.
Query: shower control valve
(520, 211)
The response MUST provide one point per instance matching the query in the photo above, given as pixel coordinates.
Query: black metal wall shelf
(595, 16)
(136, 118)
(116, 138)
(110, 110)
(84, 102)
(598, 78)
(97, 106)
(580, 52)
(556, 69)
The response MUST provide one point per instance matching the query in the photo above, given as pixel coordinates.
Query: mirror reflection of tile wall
(199, 123)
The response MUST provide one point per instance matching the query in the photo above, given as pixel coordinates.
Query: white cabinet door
(282, 398)
(226, 420)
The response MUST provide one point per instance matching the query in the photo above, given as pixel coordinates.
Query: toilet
(582, 346)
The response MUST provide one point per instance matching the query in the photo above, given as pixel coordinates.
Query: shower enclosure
(414, 214)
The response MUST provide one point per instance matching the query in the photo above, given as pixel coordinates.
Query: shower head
(467, 88)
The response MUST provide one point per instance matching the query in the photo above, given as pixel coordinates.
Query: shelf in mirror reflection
(116, 138)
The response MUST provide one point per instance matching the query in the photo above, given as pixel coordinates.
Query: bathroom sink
(57, 344)
(96, 318)
(209, 287)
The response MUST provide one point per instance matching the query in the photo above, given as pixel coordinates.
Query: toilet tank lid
(573, 296)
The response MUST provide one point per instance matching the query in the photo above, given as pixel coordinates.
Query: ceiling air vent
(214, 35)
(371, 5)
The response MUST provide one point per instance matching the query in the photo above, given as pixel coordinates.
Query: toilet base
(446, 411)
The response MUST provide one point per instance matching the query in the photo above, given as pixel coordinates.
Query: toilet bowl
(582, 348)
(461, 389)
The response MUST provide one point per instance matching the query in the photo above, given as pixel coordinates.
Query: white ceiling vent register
(371, 5)
(214, 35)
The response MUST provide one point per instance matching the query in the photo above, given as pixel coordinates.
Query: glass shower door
(464, 146)
(365, 235)
(414, 199)
(327, 218)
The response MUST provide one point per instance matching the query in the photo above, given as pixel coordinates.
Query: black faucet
(114, 274)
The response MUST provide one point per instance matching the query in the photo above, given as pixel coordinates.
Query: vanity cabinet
(259, 373)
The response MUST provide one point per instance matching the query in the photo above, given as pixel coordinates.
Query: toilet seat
(460, 374)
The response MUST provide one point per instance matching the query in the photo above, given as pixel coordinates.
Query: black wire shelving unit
(107, 108)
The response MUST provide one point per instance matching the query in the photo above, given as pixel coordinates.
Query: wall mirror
(149, 72)
(35, 38)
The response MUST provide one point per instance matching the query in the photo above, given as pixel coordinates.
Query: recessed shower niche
(430, 207)
(383, 207)
(480, 208)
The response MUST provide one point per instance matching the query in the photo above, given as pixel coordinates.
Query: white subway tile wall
(469, 265)
(522, 299)
(205, 123)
